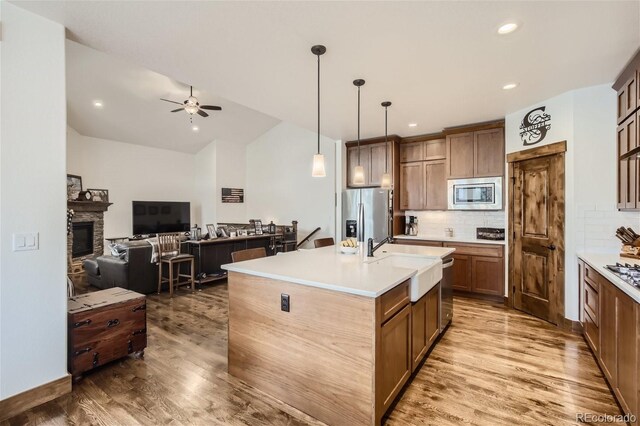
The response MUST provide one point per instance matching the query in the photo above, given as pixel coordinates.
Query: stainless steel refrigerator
(376, 215)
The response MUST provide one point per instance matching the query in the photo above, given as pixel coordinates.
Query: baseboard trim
(26, 400)
(572, 326)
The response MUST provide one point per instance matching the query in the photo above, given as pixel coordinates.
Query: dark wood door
(461, 272)
(412, 186)
(435, 182)
(433, 315)
(489, 153)
(537, 276)
(460, 155)
(395, 356)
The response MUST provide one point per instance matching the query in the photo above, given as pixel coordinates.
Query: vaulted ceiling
(440, 63)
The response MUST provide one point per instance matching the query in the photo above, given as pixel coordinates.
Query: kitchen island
(333, 335)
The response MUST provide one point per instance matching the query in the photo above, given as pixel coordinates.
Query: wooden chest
(104, 326)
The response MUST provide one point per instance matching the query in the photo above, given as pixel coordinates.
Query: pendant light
(318, 159)
(358, 171)
(385, 182)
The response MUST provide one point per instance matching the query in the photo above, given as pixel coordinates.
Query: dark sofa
(134, 271)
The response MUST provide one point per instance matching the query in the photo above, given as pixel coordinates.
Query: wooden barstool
(169, 254)
(242, 255)
(323, 242)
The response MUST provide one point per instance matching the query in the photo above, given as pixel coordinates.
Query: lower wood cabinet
(478, 268)
(395, 356)
(611, 328)
(424, 325)
(461, 272)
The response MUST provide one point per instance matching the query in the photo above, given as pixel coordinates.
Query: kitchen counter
(598, 261)
(444, 239)
(329, 269)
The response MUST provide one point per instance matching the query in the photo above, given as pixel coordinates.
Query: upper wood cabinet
(372, 159)
(460, 155)
(411, 152)
(488, 159)
(628, 98)
(412, 186)
(475, 154)
(432, 149)
(628, 176)
(435, 186)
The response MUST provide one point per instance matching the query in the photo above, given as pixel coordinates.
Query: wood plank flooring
(494, 366)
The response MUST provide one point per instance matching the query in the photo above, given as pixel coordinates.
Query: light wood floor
(493, 366)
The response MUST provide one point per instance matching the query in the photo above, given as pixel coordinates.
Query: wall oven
(475, 194)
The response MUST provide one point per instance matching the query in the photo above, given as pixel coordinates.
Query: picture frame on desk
(258, 225)
(211, 229)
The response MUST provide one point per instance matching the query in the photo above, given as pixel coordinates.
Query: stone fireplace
(86, 238)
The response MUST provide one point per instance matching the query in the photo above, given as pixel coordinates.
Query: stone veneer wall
(98, 237)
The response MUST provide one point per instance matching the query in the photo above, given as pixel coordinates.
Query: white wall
(205, 184)
(132, 172)
(33, 305)
(231, 159)
(586, 119)
(279, 182)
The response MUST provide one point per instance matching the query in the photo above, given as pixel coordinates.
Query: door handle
(551, 247)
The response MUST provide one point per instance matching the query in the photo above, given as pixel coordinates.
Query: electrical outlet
(284, 302)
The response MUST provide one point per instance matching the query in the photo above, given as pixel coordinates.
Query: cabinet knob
(551, 247)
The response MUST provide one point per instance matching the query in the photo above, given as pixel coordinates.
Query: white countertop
(598, 261)
(329, 269)
(448, 239)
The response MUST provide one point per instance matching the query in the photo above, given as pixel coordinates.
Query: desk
(211, 254)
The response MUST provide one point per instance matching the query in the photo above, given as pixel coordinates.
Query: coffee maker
(411, 225)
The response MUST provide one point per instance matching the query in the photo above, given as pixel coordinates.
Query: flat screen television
(155, 217)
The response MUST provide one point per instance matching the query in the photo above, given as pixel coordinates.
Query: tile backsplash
(596, 227)
(464, 224)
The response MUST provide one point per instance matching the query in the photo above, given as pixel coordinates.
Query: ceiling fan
(192, 106)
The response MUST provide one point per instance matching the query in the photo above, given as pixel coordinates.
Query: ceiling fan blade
(173, 102)
(179, 109)
(202, 113)
(212, 107)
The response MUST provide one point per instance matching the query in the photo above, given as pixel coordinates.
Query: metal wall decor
(232, 195)
(535, 125)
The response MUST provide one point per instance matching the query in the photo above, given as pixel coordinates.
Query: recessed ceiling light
(510, 86)
(413, 124)
(195, 128)
(98, 104)
(507, 28)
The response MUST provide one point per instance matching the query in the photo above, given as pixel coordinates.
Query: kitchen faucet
(371, 249)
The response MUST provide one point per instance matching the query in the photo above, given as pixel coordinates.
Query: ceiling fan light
(358, 175)
(191, 109)
(318, 166)
(385, 182)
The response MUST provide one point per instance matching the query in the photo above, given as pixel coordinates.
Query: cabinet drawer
(393, 300)
(107, 323)
(592, 277)
(591, 302)
(477, 249)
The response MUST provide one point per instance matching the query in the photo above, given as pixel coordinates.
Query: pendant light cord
(386, 143)
(318, 104)
(358, 125)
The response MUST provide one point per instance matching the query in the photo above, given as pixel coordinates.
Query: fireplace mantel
(88, 206)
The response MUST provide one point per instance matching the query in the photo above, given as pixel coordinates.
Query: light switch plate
(26, 241)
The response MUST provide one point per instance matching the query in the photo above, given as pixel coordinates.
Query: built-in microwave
(475, 194)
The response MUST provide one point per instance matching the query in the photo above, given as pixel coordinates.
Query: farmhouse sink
(429, 271)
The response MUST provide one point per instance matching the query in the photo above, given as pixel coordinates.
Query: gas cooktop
(628, 273)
